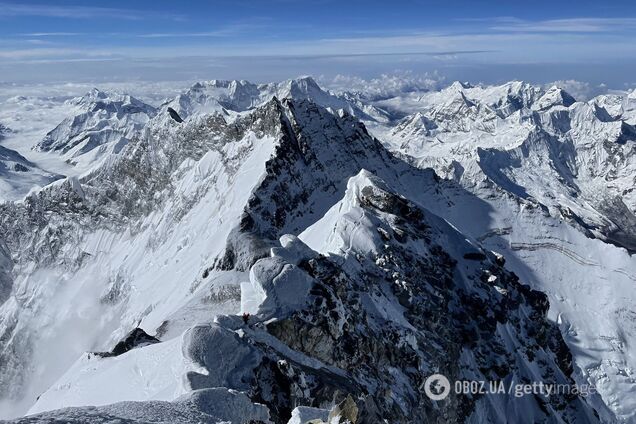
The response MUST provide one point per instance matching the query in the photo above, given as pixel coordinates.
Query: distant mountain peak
(282, 245)
(459, 86)
(554, 96)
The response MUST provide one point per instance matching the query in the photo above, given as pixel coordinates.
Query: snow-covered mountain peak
(318, 214)
(306, 88)
(459, 112)
(102, 124)
(458, 86)
(555, 96)
(373, 226)
(93, 95)
(96, 100)
(413, 126)
(218, 96)
(209, 96)
(613, 104)
(301, 88)
(240, 96)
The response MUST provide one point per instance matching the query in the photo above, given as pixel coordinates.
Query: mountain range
(284, 253)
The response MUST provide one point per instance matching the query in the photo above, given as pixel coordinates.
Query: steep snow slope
(208, 406)
(124, 247)
(153, 372)
(589, 284)
(397, 271)
(183, 224)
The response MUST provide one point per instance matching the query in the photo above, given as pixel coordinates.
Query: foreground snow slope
(401, 284)
(208, 406)
(182, 225)
(100, 263)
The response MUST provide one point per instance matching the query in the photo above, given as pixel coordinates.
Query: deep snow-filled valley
(374, 238)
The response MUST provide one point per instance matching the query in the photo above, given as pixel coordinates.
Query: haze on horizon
(70, 41)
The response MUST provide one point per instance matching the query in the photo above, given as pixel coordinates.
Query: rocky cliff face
(395, 306)
(291, 211)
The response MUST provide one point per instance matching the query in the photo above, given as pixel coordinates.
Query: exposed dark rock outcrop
(136, 338)
(174, 115)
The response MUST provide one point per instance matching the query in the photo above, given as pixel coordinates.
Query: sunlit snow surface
(484, 138)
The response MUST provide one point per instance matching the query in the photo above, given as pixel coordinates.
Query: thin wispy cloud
(574, 25)
(50, 34)
(51, 52)
(443, 55)
(70, 60)
(37, 42)
(81, 12)
(236, 28)
(184, 34)
(517, 46)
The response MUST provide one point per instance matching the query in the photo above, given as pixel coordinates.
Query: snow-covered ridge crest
(155, 195)
(231, 97)
(205, 215)
(352, 298)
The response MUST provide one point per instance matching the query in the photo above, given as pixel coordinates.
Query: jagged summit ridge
(230, 97)
(279, 348)
(283, 204)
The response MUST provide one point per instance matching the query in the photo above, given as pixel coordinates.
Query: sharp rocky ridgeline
(359, 235)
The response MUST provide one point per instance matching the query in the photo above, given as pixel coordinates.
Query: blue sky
(488, 41)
